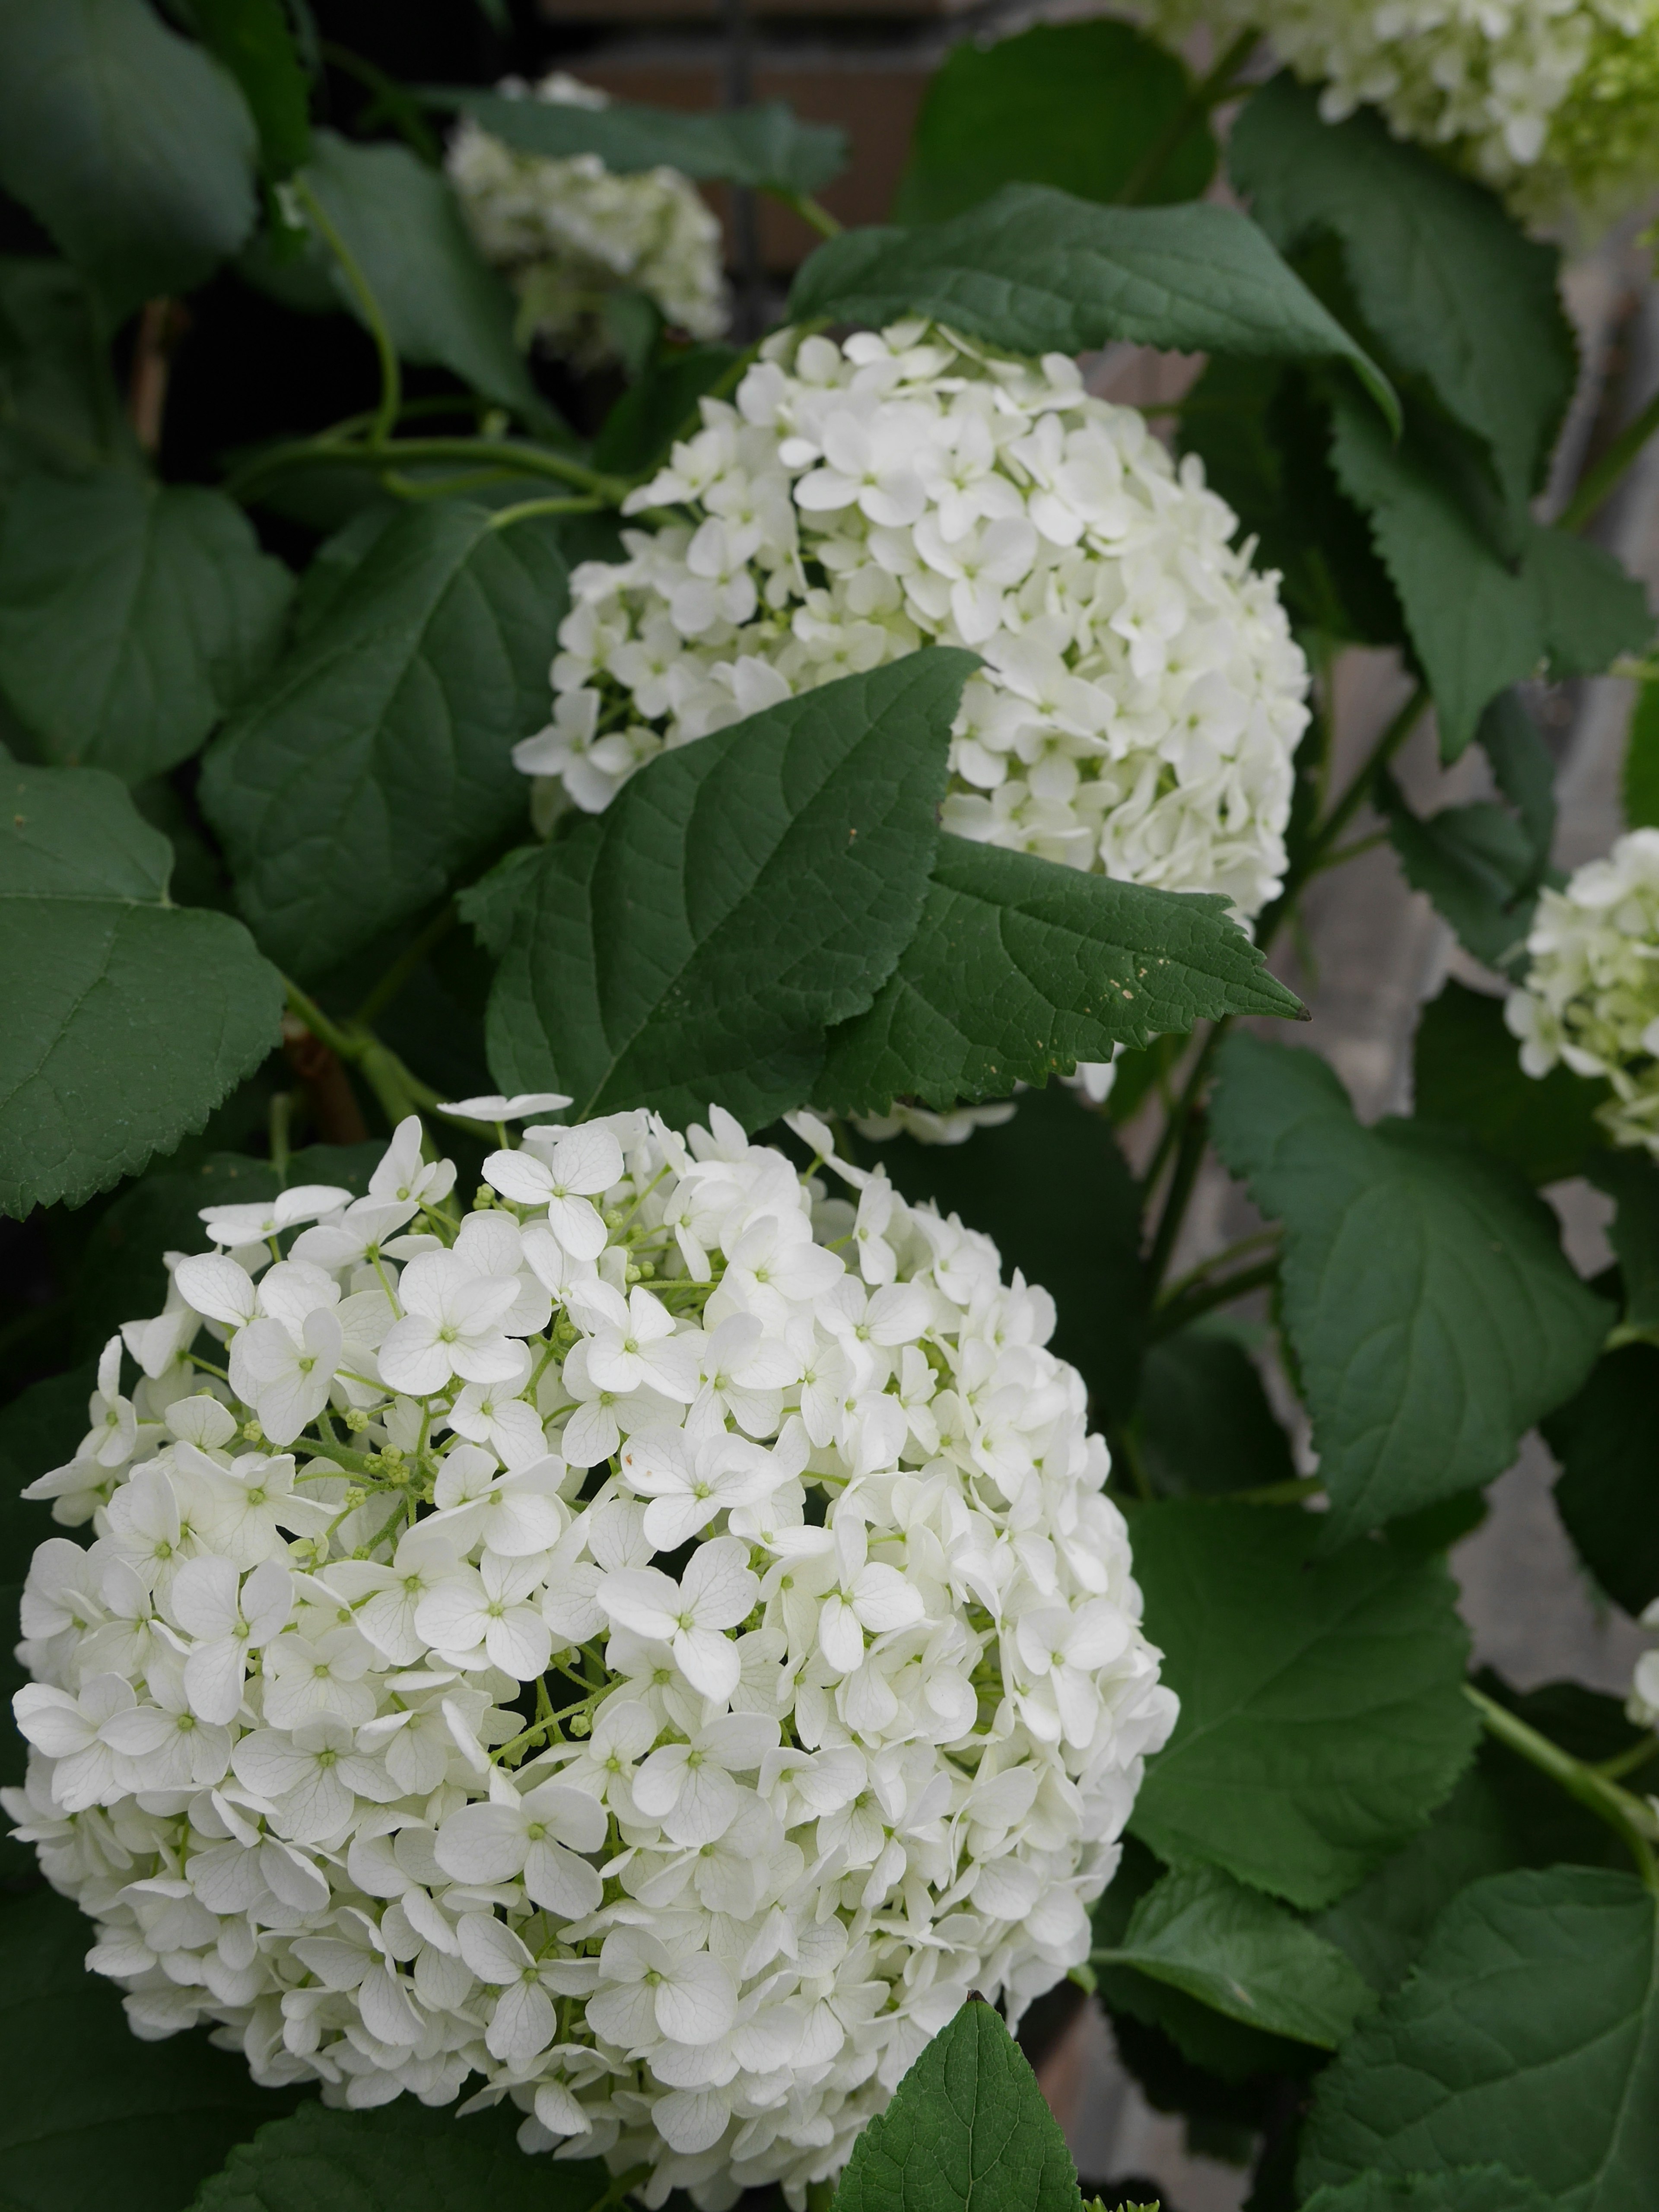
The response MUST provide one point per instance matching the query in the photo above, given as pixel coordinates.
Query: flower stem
(1209, 92)
(1597, 482)
(1631, 1821)
(810, 211)
(506, 517)
(1175, 1314)
(391, 383)
(383, 992)
(520, 458)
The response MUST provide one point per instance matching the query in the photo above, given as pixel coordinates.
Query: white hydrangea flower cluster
(567, 233)
(1590, 998)
(1142, 698)
(1643, 1703)
(654, 1644)
(1552, 102)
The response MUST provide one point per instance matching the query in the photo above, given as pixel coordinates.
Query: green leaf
(1446, 281)
(1086, 1255)
(1607, 1440)
(1631, 1179)
(1203, 1424)
(1020, 967)
(402, 2157)
(1459, 2189)
(767, 145)
(403, 228)
(126, 1019)
(1078, 105)
(132, 148)
(253, 40)
(661, 407)
(692, 944)
(1475, 864)
(1322, 1714)
(1592, 609)
(1549, 1827)
(1038, 271)
(1383, 1923)
(131, 618)
(1528, 2035)
(58, 404)
(1466, 1074)
(1422, 1287)
(91, 2113)
(1236, 1950)
(968, 2128)
(376, 759)
(1640, 781)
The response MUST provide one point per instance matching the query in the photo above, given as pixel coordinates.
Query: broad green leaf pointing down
(1322, 1714)
(403, 2157)
(1452, 289)
(376, 759)
(1607, 1440)
(1528, 2037)
(1232, 1948)
(91, 2116)
(1433, 1317)
(766, 146)
(1038, 271)
(1020, 967)
(133, 148)
(967, 2130)
(123, 1020)
(739, 897)
(131, 618)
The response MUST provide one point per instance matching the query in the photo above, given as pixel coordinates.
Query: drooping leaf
(133, 148)
(1078, 106)
(403, 2157)
(1446, 281)
(132, 617)
(376, 758)
(738, 898)
(59, 406)
(1020, 967)
(125, 1019)
(1466, 1074)
(661, 407)
(1457, 2189)
(767, 145)
(1640, 784)
(967, 2130)
(1322, 1714)
(1475, 864)
(1423, 1288)
(1382, 1925)
(1527, 2036)
(1086, 1255)
(1607, 1440)
(1203, 1424)
(1039, 271)
(255, 41)
(86, 2101)
(403, 226)
(1234, 1949)
(1592, 609)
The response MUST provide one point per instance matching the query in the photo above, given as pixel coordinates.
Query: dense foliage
(627, 1587)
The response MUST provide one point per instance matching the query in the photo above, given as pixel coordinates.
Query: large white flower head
(568, 232)
(1590, 997)
(647, 1648)
(1141, 696)
(1555, 102)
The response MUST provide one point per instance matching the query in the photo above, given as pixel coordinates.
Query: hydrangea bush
(700, 1422)
(606, 1642)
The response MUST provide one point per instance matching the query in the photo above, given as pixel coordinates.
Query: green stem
(517, 458)
(1209, 92)
(1597, 482)
(1175, 1116)
(281, 1119)
(506, 517)
(1188, 1159)
(1288, 1492)
(1178, 1314)
(391, 383)
(810, 212)
(383, 992)
(1346, 853)
(1629, 1761)
(1205, 1268)
(1358, 791)
(391, 99)
(399, 1091)
(1631, 1821)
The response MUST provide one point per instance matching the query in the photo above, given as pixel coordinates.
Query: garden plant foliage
(874, 782)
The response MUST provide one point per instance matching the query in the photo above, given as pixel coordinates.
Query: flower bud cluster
(645, 1650)
(1590, 997)
(1555, 102)
(1141, 696)
(568, 232)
